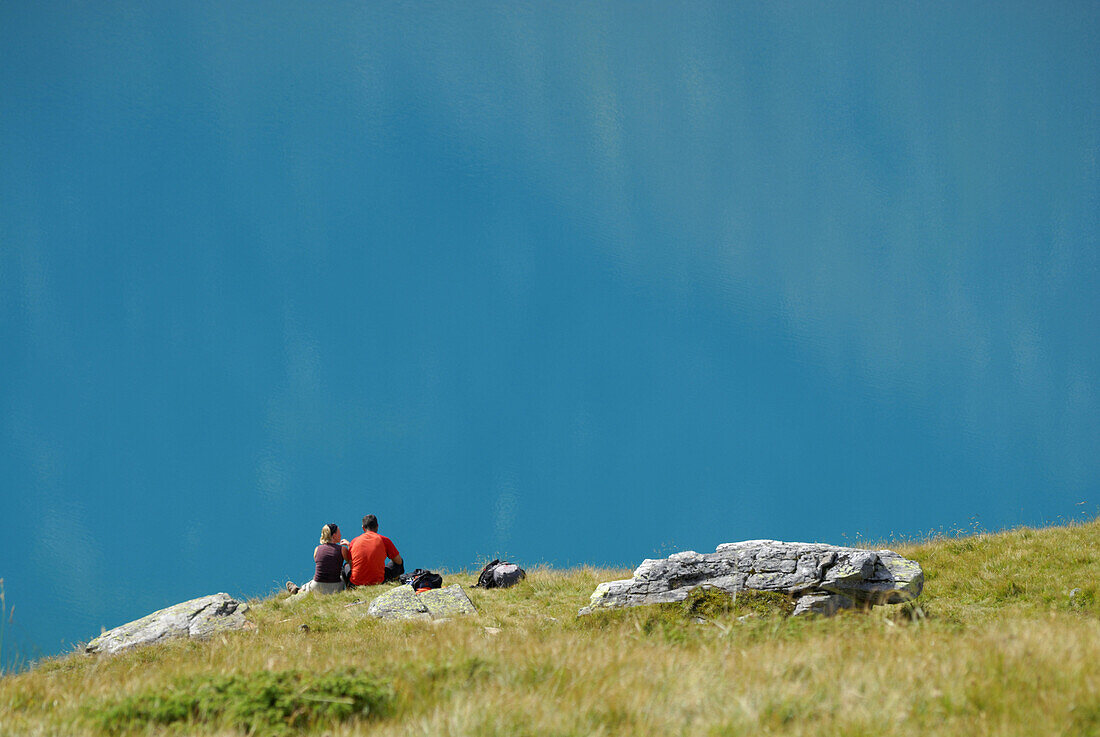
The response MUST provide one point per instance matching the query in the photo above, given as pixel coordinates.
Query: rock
(404, 603)
(197, 618)
(827, 577)
(821, 603)
(400, 603)
(450, 601)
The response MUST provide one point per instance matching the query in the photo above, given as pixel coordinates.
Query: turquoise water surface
(568, 283)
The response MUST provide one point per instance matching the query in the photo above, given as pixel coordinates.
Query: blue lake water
(581, 283)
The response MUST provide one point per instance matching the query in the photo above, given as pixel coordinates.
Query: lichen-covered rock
(450, 601)
(404, 603)
(197, 618)
(821, 603)
(812, 571)
(400, 603)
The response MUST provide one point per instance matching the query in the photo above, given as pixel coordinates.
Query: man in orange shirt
(369, 552)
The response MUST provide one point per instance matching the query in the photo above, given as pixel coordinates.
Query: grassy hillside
(996, 645)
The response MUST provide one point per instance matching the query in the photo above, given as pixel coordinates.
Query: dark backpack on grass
(499, 574)
(422, 579)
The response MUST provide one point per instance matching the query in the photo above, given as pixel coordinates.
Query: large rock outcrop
(822, 578)
(197, 618)
(404, 603)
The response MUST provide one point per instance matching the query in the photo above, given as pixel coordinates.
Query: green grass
(261, 703)
(995, 645)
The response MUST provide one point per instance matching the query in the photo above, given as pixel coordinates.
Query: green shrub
(260, 703)
(676, 623)
(1083, 599)
(710, 603)
(764, 603)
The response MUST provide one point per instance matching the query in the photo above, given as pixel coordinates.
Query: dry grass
(995, 646)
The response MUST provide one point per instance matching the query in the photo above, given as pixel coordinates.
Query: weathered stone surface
(810, 571)
(827, 604)
(196, 618)
(400, 603)
(404, 603)
(450, 601)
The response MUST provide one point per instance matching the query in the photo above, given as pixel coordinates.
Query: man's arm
(391, 551)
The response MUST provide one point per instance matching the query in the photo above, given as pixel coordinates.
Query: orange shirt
(368, 558)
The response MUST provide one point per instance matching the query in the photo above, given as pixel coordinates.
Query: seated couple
(363, 560)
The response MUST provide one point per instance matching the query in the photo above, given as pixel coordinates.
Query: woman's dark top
(329, 562)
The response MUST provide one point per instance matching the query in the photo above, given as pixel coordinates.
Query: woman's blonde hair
(326, 533)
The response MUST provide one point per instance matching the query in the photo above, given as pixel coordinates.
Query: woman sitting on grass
(329, 559)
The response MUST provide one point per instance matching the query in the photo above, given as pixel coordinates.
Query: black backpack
(422, 579)
(499, 574)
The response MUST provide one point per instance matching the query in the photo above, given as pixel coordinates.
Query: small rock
(1074, 593)
(198, 619)
(400, 603)
(492, 630)
(404, 603)
(821, 603)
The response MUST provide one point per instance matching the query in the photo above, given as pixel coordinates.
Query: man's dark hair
(370, 522)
